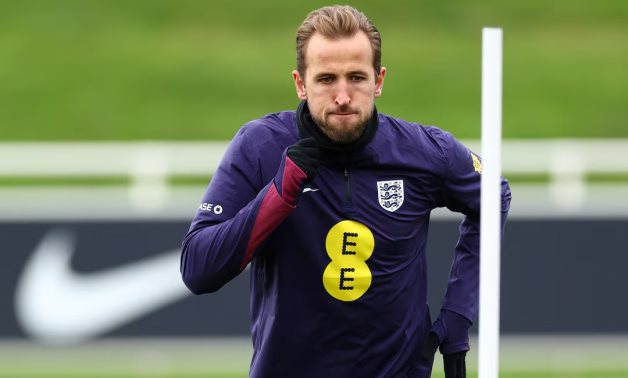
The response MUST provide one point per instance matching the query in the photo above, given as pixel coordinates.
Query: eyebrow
(350, 73)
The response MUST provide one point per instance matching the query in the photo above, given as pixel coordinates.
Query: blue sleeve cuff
(452, 330)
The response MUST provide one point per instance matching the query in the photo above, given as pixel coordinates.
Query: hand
(454, 363)
(455, 366)
(451, 330)
(298, 167)
(306, 155)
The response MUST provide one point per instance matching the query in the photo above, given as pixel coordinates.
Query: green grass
(535, 374)
(569, 374)
(521, 356)
(166, 70)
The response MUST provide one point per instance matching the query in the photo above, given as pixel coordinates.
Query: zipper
(347, 187)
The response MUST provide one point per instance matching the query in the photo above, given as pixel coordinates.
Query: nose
(342, 96)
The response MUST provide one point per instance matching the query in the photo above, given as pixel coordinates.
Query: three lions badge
(390, 194)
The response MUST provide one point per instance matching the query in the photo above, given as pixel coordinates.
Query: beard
(343, 131)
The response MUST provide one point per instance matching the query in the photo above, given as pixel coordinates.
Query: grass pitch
(521, 357)
(197, 70)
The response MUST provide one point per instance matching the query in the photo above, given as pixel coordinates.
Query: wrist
(453, 332)
(289, 181)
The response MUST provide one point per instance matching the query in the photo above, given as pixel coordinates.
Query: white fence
(150, 165)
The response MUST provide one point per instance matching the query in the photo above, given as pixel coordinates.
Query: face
(340, 84)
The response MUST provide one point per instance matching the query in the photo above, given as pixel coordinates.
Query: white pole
(490, 218)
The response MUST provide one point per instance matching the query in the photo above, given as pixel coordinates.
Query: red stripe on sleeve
(293, 177)
(272, 212)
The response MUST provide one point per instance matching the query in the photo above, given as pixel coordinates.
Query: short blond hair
(333, 22)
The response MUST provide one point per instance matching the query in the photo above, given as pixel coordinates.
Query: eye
(326, 79)
(357, 78)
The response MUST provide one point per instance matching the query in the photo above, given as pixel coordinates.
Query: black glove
(306, 155)
(454, 363)
(455, 366)
(298, 167)
(452, 331)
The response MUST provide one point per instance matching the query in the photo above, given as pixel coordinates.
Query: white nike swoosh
(310, 190)
(58, 306)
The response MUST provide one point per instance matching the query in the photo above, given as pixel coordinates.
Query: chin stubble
(341, 136)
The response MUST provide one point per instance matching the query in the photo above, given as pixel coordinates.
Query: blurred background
(114, 115)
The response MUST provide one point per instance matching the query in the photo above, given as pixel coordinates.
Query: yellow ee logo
(349, 244)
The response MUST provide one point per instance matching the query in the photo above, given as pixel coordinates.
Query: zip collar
(308, 128)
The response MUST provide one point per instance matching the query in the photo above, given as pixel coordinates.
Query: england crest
(390, 194)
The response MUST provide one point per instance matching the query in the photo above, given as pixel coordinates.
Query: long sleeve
(461, 194)
(237, 213)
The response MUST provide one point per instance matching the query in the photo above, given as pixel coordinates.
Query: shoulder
(272, 131)
(416, 137)
(427, 144)
(257, 147)
(280, 125)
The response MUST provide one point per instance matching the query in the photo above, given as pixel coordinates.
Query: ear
(379, 82)
(299, 84)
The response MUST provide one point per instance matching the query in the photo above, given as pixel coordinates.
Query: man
(330, 204)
